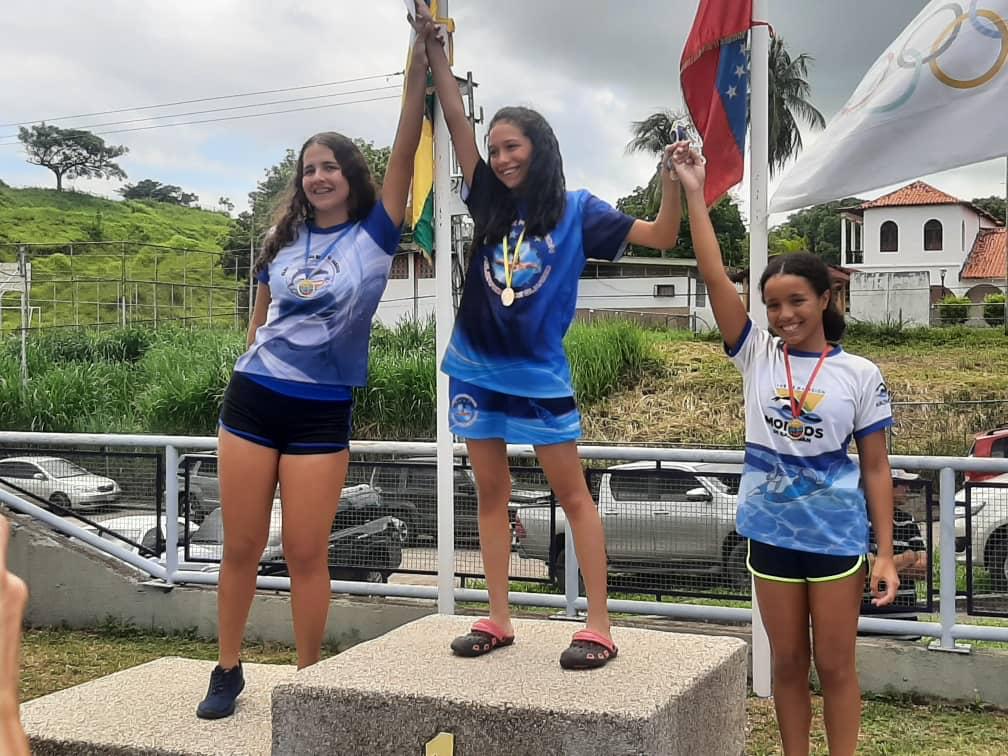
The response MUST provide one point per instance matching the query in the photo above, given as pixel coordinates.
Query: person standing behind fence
(286, 413)
(510, 379)
(800, 503)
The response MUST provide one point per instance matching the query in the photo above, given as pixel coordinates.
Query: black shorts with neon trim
(289, 424)
(792, 566)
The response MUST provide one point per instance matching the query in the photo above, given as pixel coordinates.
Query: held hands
(426, 27)
(883, 569)
(685, 165)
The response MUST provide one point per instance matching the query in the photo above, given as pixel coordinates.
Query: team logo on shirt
(307, 282)
(464, 410)
(782, 421)
(529, 271)
(882, 397)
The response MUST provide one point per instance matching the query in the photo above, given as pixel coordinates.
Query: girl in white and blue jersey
(802, 499)
(510, 379)
(286, 412)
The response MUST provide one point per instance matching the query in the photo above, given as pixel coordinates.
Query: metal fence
(96, 284)
(668, 515)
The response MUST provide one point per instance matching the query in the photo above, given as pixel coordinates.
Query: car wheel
(60, 501)
(996, 561)
(736, 570)
(355, 573)
(408, 531)
(560, 570)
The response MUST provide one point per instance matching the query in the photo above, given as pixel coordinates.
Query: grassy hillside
(89, 254)
(46, 216)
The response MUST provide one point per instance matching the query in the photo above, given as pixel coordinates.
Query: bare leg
(835, 606)
(310, 486)
(785, 611)
(563, 470)
(488, 458)
(248, 477)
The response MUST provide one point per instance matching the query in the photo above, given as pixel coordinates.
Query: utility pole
(23, 270)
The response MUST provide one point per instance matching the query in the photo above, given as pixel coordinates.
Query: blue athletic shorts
(791, 566)
(480, 413)
(289, 424)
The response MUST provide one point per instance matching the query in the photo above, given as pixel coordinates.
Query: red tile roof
(917, 193)
(987, 258)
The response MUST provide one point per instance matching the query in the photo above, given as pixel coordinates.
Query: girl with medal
(802, 500)
(510, 378)
(286, 412)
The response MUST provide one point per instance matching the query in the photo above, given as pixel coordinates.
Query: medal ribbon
(796, 405)
(328, 250)
(510, 262)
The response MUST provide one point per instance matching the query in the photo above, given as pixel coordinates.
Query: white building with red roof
(915, 245)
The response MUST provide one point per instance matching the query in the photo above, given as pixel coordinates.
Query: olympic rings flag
(936, 99)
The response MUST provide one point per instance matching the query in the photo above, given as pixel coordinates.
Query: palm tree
(789, 93)
(651, 136)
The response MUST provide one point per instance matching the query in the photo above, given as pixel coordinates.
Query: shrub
(994, 309)
(953, 309)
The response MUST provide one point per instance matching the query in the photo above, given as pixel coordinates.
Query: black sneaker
(225, 685)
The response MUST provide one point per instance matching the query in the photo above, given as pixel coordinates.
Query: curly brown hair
(293, 209)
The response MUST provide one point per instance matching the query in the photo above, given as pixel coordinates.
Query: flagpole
(444, 316)
(1005, 324)
(759, 152)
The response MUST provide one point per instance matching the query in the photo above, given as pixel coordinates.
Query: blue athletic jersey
(799, 488)
(324, 289)
(518, 350)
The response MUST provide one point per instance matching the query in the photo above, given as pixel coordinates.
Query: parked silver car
(988, 536)
(673, 518)
(58, 481)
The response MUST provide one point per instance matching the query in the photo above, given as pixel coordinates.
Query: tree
(818, 229)
(71, 153)
(789, 93)
(149, 189)
(226, 203)
(993, 205)
(725, 217)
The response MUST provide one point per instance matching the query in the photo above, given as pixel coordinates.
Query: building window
(423, 268)
(701, 293)
(664, 290)
(400, 267)
(963, 236)
(933, 236)
(889, 237)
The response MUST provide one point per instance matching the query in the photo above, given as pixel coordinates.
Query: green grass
(55, 659)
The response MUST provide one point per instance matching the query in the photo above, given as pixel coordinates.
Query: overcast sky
(590, 67)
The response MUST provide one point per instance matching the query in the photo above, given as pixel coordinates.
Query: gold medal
(796, 429)
(507, 296)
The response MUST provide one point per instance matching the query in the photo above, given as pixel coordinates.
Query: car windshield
(61, 468)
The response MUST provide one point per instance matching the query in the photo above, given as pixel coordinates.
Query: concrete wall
(890, 297)
(71, 584)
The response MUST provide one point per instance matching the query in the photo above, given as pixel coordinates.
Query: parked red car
(992, 443)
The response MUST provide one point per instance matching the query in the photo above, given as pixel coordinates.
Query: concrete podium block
(665, 693)
(150, 710)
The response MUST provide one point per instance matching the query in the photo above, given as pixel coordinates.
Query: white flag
(936, 99)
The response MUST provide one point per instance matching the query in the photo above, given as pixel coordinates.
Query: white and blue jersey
(801, 490)
(325, 287)
(518, 350)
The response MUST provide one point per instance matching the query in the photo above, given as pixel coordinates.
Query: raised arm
(663, 231)
(399, 172)
(729, 312)
(450, 99)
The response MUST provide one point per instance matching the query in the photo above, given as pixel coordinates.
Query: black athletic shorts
(791, 566)
(291, 425)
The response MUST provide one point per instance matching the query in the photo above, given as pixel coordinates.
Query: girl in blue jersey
(286, 413)
(802, 499)
(510, 379)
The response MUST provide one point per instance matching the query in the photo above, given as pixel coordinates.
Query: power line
(238, 117)
(204, 99)
(232, 107)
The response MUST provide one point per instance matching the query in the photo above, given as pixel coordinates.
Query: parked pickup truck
(992, 443)
(676, 518)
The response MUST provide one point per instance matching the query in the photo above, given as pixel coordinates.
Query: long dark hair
(544, 191)
(293, 208)
(814, 270)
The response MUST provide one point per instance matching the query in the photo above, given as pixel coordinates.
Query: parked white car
(58, 481)
(988, 536)
(139, 529)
